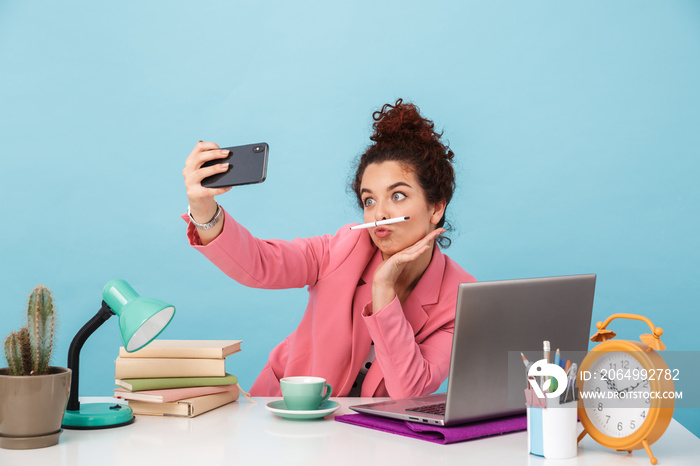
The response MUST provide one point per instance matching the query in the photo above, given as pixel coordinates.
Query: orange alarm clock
(626, 389)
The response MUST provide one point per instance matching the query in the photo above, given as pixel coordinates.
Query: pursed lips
(381, 232)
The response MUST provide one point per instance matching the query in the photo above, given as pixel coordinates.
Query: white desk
(247, 434)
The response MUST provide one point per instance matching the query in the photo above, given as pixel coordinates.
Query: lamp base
(98, 416)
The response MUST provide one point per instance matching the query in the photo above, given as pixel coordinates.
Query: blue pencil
(557, 360)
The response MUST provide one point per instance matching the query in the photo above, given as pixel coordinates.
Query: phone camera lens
(257, 149)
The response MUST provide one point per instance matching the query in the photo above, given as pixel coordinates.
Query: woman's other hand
(201, 200)
(395, 277)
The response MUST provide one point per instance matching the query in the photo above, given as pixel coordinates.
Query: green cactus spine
(40, 323)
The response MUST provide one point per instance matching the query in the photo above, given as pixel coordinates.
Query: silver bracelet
(210, 223)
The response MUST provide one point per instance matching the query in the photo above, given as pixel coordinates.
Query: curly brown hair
(402, 135)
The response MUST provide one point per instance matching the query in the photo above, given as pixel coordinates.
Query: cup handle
(329, 390)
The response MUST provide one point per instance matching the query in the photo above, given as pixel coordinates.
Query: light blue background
(575, 126)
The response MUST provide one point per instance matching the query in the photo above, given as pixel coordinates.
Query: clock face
(617, 394)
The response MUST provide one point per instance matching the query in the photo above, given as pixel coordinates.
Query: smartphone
(247, 165)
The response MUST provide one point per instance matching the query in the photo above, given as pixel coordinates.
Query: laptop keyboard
(430, 409)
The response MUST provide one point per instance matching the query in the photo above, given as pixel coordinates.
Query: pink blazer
(412, 343)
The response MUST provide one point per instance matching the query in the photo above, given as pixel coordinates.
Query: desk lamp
(140, 321)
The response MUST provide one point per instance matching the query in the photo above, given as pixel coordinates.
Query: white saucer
(280, 408)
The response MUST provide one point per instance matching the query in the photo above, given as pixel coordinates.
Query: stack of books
(181, 378)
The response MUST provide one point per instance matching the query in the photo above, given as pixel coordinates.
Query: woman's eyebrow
(396, 185)
(390, 188)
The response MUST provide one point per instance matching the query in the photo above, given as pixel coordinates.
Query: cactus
(28, 351)
(17, 352)
(40, 323)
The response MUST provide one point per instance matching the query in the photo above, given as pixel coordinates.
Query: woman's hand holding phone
(202, 204)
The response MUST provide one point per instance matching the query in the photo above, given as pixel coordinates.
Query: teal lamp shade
(140, 319)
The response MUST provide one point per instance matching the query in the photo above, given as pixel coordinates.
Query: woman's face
(388, 190)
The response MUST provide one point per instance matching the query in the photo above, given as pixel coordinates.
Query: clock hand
(628, 389)
(610, 383)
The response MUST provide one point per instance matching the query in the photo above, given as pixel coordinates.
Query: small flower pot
(32, 408)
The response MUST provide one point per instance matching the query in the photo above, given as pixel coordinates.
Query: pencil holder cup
(551, 427)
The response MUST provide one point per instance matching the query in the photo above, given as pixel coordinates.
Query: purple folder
(438, 434)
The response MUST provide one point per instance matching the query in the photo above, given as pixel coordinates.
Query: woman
(380, 315)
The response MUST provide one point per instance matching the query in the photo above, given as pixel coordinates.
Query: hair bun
(402, 125)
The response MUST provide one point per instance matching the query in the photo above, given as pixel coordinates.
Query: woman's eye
(368, 201)
(398, 196)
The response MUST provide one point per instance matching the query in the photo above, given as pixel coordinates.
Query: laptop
(494, 322)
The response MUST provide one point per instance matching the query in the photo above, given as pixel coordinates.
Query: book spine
(136, 385)
(209, 402)
(178, 353)
(190, 407)
(185, 349)
(173, 394)
(134, 368)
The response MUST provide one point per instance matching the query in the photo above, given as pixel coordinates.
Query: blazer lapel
(426, 293)
(361, 340)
